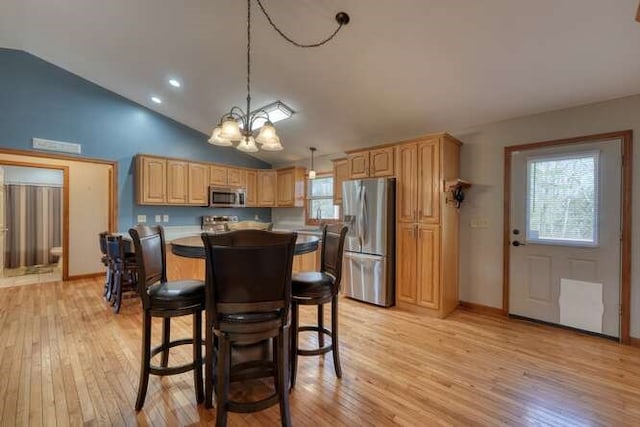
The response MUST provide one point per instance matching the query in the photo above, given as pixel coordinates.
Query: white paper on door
(581, 305)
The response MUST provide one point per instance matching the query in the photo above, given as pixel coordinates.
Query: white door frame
(625, 244)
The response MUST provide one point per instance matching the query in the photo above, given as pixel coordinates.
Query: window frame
(595, 154)
(307, 200)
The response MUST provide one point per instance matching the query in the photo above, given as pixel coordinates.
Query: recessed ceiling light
(175, 83)
(156, 100)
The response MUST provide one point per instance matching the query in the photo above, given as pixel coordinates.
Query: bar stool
(122, 271)
(248, 293)
(161, 298)
(106, 261)
(318, 288)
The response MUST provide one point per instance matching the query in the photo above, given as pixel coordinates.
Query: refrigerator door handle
(363, 216)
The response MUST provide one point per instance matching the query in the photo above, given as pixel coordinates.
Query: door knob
(516, 243)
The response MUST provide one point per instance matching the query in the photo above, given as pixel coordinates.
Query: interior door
(565, 235)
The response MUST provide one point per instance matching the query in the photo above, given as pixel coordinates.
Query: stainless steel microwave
(224, 197)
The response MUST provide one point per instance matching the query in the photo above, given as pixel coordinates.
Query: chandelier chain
(248, 125)
(290, 40)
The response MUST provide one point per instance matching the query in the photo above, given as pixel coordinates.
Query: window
(562, 199)
(320, 205)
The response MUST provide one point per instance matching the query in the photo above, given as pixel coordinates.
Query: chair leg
(117, 293)
(145, 359)
(320, 325)
(197, 355)
(294, 342)
(209, 353)
(334, 336)
(282, 365)
(166, 339)
(222, 386)
(275, 344)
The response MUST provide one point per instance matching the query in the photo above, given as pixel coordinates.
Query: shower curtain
(33, 216)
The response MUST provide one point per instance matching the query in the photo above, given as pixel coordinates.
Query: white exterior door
(565, 235)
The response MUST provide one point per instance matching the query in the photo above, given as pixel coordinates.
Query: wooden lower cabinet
(305, 262)
(183, 268)
(418, 276)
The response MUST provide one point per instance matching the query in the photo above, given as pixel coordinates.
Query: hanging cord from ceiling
(342, 18)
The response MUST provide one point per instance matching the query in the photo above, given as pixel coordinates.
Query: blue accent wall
(41, 100)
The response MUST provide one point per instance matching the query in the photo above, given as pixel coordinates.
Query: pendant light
(312, 171)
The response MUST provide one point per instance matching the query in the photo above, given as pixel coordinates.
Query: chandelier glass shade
(238, 126)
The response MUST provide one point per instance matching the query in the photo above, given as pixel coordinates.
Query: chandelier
(237, 126)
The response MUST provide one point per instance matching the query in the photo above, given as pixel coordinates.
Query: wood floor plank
(66, 359)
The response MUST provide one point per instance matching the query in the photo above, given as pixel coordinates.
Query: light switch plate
(165, 218)
(479, 223)
(158, 218)
(142, 219)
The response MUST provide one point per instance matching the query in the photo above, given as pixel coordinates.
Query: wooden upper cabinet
(429, 181)
(177, 182)
(358, 165)
(266, 188)
(407, 183)
(290, 184)
(151, 175)
(237, 177)
(218, 175)
(377, 162)
(381, 162)
(340, 174)
(198, 184)
(252, 188)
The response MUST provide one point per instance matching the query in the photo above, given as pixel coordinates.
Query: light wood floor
(66, 359)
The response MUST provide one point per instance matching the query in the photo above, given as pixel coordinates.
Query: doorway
(32, 206)
(567, 242)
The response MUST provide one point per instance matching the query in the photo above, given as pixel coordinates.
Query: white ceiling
(401, 68)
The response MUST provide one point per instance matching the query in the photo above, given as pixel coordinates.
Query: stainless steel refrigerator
(368, 207)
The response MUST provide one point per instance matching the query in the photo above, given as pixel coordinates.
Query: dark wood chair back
(102, 238)
(248, 271)
(333, 237)
(149, 245)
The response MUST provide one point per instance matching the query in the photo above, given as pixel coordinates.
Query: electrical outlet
(479, 223)
(256, 217)
(165, 218)
(158, 218)
(142, 219)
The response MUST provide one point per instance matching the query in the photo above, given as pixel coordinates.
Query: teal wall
(39, 99)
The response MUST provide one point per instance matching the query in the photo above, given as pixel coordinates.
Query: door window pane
(562, 199)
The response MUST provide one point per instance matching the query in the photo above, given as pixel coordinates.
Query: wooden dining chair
(248, 293)
(106, 261)
(165, 299)
(318, 288)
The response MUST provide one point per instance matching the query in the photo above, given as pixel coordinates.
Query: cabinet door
(286, 188)
(266, 188)
(252, 188)
(177, 182)
(198, 184)
(340, 174)
(358, 165)
(429, 266)
(152, 181)
(218, 175)
(381, 162)
(429, 181)
(406, 271)
(237, 177)
(407, 183)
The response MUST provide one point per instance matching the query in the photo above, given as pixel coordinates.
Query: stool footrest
(315, 329)
(258, 405)
(172, 370)
(161, 348)
(316, 351)
(252, 369)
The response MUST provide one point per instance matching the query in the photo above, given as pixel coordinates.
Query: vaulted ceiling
(401, 68)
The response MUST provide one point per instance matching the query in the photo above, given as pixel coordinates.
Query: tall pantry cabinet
(427, 225)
